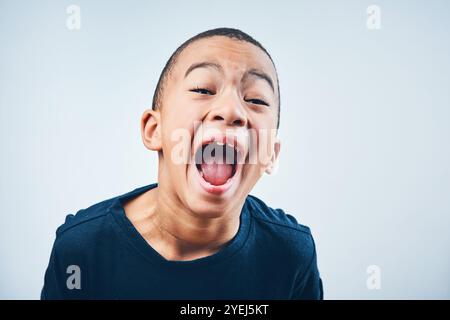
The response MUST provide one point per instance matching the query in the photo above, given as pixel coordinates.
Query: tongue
(217, 173)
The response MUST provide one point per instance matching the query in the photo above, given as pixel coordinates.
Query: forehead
(233, 55)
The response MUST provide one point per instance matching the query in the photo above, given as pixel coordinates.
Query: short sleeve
(52, 289)
(308, 285)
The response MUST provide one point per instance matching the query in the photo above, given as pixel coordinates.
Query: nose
(229, 111)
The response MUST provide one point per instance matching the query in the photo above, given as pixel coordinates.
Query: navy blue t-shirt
(98, 254)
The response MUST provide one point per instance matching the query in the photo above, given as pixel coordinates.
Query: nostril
(236, 122)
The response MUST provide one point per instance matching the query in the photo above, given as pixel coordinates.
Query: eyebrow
(261, 75)
(252, 72)
(203, 65)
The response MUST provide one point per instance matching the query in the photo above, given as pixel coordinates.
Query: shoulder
(91, 227)
(282, 231)
(84, 218)
(275, 217)
(85, 230)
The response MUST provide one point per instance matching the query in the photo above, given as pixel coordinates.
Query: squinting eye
(202, 91)
(257, 101)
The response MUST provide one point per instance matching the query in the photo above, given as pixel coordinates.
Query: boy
(197, 233)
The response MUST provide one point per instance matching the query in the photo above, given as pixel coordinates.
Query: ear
(274, 159)
(151, 130)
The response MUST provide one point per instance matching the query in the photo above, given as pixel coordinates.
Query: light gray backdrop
(365, 125)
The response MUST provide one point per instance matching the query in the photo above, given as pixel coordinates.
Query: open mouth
(217, 162)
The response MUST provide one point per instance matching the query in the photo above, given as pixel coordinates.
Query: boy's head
(213, 121)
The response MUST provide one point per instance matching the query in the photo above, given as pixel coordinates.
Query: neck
(176, 232)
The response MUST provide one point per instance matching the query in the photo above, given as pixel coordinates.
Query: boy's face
(220, 90)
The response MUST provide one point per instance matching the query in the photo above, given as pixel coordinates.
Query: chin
(206, 210)
(211, 201)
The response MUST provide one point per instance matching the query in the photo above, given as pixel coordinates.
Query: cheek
(263, 118)
(180, 117)
(187, 117)
(176, 146)
(262, 143)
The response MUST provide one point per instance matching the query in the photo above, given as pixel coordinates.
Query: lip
(220, 189)
(225, 139)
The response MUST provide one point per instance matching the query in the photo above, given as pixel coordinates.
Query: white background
(365, 117)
